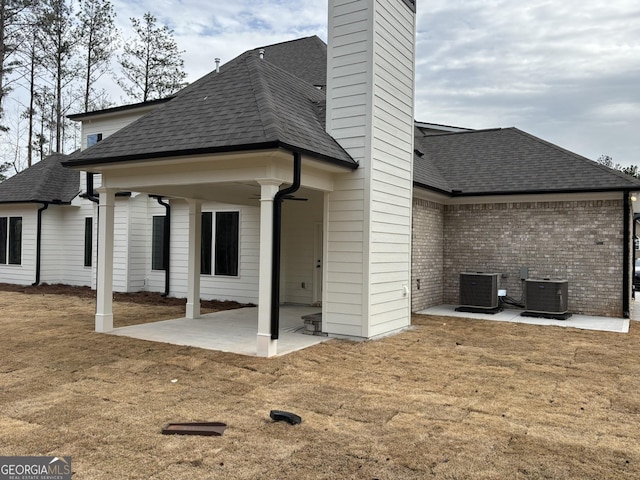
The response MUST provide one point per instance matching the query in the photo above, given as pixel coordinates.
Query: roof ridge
(47, 170)
(264, 100)
(486, 130)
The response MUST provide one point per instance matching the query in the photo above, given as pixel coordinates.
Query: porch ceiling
(230, 178)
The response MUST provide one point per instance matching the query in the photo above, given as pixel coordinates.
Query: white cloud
(567, 71)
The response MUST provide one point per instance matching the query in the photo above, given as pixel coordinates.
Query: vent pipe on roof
(261, 53)
(217, 60)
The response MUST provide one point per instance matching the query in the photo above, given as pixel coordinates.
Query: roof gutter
(166, 247)
(207, 151)
(461, 194)
(45, 205)
(277, 237)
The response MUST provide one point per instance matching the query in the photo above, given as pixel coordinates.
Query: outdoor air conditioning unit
(547, 298)
(479, 292)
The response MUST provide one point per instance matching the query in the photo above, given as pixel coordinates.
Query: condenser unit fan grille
(547, 296)
(479, 290)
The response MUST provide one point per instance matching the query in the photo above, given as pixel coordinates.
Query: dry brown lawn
(449, 399)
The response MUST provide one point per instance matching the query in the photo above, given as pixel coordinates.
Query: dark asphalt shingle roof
(305, 58)
(508, 160)
(46, 181)
(250, 104)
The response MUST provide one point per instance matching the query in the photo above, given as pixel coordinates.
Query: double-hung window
(220, 240)
(157, 243)
(11, 240)
(88, 241)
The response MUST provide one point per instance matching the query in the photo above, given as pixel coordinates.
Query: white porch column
(195, 241)
(104, 294)
(266, 346)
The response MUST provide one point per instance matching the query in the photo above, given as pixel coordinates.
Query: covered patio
(247, 134)
(228, 331)
(253, 179)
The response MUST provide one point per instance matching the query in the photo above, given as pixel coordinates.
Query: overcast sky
(565, 70)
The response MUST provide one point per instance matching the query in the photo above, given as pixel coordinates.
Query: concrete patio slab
(232, 331)
(585, 322)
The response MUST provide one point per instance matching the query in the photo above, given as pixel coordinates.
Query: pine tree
(152, 66)
(11, 29)
(59, 42)
(98, 40)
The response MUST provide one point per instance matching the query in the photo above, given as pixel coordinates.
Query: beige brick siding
(427, 254)
(580, 241)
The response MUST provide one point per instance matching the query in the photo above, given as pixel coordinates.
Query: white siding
(109, 124)
(368, 215)
(139, 240)
(23, 274)
(243, 288)
(63, 245)
(155, 279)
(298, 262)
(122, 227)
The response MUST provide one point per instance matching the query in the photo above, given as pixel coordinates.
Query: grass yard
(450, 399)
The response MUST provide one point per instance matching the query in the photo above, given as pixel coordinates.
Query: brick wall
(427, 254)
(580, 241)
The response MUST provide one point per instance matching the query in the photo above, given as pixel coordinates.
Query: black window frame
(11, 240)
(206, 243)
(227, 244)
(88, 241)
(157, 242)
(220, 244)
(98, 138)
(4, 236)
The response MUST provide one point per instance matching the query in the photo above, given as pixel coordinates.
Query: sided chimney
(370, 112)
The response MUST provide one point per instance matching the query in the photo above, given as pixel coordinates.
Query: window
(157, 243)
(227, 243)
(222, 254)
(93, 139)
(11, 240)
(207, 238)
(88, 241)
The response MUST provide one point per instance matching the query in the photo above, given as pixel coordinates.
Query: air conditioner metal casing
(479, 290)
(547, 296)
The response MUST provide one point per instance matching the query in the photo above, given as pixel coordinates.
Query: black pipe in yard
(277, 237)
(166, 244)
(39, 242)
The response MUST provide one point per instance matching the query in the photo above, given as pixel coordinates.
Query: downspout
(625, 256)
(166, 244)
(277, 237)
(90, 195)
(45, 205)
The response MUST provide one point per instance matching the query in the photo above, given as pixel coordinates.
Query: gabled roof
(251, 104)
(45, 182)
(507, 161)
